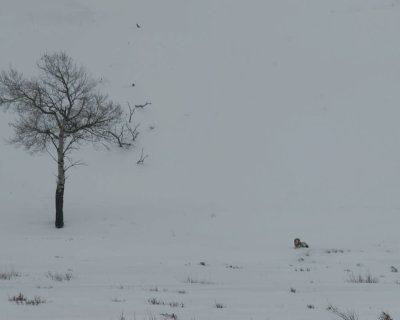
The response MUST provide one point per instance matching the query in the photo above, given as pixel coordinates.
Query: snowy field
(269, 120)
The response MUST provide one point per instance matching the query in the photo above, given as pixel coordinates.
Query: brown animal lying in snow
(299, 244)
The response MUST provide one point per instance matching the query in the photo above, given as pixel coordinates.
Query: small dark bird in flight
(133, 84)
(137, 25)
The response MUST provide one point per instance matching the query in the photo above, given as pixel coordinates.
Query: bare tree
(57, 112)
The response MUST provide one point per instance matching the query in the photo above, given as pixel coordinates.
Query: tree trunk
(59, 207)
(60, 183)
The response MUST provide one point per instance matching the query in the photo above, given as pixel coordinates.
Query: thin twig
(142, 158)
(142, 106)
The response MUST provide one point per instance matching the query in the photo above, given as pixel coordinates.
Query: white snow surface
(272, 119)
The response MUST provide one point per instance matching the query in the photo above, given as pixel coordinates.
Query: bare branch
(50, 154)
(134, 132)
(74, 164)
(119, 136)
(142, 106)
(131, 112)
(142, 158)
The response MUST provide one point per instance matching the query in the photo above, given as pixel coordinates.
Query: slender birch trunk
(60, 182)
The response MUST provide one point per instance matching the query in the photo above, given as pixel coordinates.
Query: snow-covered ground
(269, 120)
